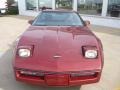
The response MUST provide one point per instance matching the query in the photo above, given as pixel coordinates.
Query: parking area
(12, 26)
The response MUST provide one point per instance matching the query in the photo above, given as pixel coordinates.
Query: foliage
(12, 9)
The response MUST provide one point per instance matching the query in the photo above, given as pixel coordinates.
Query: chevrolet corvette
(58, 49)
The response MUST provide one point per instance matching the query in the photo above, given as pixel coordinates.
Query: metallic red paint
(63, 41)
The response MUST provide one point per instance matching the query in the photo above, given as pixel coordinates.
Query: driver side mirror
(87, 23)
(30, 21)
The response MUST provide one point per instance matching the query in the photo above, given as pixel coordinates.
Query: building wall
(96, 20)
(103, 21)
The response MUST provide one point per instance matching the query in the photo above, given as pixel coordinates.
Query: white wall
(103, 21)
(104, 8)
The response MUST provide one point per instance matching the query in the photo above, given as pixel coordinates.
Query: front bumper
(58, 79)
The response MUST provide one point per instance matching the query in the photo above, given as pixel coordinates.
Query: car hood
(65, 42)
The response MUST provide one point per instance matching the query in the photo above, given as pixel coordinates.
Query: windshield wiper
(40, 25)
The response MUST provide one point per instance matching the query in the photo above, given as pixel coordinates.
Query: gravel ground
(12, 26)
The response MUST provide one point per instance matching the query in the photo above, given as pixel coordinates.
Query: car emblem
(57, 56)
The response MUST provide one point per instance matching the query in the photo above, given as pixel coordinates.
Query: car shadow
(7, 80)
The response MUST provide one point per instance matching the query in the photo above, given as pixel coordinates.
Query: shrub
(12, 10)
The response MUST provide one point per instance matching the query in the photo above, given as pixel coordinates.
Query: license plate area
(57, 80)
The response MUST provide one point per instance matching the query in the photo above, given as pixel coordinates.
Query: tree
(10, 1)
(12, 7)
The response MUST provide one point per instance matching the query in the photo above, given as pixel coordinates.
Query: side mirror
(87, 23)
(30, 21)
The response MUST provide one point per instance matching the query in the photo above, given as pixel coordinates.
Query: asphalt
(12, 26)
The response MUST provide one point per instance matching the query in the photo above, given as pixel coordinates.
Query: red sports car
(58, 49)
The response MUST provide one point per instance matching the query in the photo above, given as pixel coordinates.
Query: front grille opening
(73, 75)
(30, 76)
(77, 77)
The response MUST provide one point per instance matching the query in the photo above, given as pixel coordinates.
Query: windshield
(58, 19)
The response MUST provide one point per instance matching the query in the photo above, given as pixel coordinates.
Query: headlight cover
(91, 54)
(24, 53)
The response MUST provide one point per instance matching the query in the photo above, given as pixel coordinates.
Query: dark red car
(58, 49)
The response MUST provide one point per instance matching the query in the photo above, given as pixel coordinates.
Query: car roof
(63, 10)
